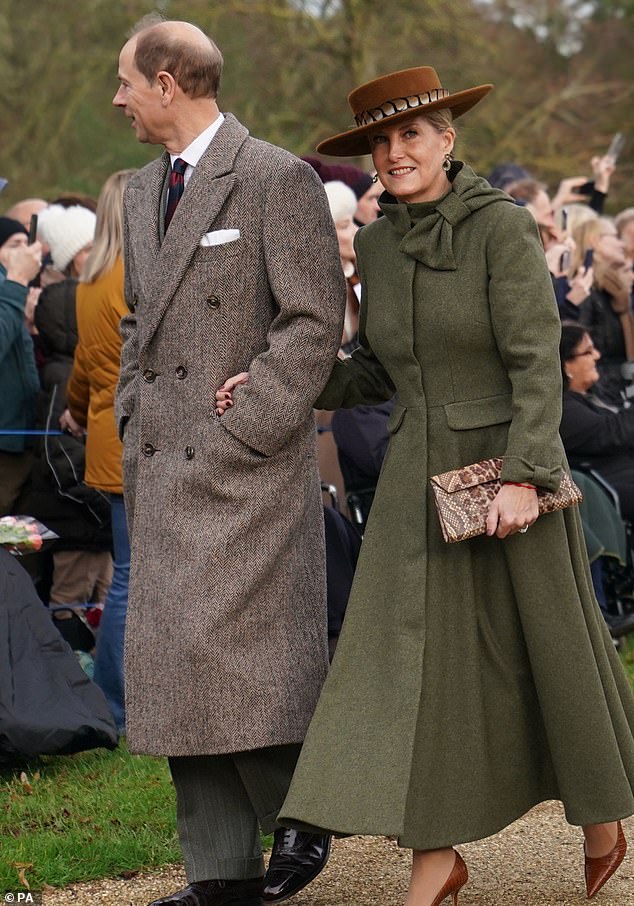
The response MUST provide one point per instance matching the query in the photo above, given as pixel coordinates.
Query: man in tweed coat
(226, 645)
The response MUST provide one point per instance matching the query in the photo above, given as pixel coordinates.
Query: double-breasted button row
(149, 375)
(213, 302)
(189, 452)
(148, 449)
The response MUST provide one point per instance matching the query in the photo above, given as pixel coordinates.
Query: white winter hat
(342, 200)
(66, 231)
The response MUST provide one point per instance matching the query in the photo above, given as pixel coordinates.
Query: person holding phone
(607, 310)
(20, 262)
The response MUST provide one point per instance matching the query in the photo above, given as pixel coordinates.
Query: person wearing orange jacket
(91, 389)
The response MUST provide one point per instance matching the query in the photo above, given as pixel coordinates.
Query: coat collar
(165, 259)
(427, 227)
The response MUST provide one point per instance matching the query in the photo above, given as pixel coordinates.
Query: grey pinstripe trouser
(222, 802)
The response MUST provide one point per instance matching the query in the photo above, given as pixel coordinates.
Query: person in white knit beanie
(343, 205)
(69, 234)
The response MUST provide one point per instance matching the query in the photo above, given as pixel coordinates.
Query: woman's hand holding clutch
(514, 509)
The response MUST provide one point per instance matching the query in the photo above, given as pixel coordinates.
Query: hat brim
(354, 142)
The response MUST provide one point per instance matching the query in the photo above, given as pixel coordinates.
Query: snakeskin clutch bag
(463, 496)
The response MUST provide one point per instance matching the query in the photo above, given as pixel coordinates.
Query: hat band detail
(399, 105)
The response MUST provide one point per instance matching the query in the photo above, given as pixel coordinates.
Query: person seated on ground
(607, 311)
(594, 434)
(19, 383)
(343, 204)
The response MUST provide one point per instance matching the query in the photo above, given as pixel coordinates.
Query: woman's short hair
(572, 335)
(196, 69)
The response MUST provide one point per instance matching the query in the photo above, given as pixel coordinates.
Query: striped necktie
(175, 189)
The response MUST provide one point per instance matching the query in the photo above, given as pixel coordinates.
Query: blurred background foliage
(563, 71)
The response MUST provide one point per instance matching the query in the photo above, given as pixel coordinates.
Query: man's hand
(24, 263)
(224, 394)
(513, 509)
(67, 423)
(32, 298)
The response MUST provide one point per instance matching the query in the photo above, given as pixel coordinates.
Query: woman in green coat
(472, 680)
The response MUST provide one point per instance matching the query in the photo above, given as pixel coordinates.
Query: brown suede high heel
(600, 870)
(454, 883)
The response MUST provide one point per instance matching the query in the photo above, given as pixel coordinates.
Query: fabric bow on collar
(427, 227)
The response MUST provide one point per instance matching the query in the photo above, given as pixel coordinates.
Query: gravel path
(537, 861)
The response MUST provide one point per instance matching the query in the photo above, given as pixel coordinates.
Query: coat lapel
(166, 262)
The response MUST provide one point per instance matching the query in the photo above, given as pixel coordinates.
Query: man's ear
(167, 85)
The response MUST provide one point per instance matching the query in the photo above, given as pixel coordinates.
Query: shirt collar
(194, 151)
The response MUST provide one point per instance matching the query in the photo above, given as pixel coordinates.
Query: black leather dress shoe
(296, 859)
(216, 893)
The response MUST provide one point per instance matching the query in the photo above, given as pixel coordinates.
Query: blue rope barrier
(20, 433)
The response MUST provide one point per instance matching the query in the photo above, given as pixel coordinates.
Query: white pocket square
(220, 237)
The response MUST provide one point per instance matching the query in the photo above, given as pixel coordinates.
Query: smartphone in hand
(587, 259)
(616, 146)
(33, 229)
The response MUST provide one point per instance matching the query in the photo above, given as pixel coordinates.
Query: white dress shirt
(194, 151)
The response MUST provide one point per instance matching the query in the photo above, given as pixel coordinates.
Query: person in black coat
(59, 496)
(592, 432)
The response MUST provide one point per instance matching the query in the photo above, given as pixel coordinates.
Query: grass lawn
(627, 656)
(79, 817)
(95, 815)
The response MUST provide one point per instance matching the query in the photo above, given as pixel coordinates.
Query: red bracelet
(519, 484)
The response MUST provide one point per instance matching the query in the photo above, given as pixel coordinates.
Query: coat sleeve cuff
(519, 470)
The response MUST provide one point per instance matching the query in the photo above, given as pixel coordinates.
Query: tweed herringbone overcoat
(471, 680)
(226, 645)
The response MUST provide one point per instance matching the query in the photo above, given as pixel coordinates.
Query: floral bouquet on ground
(24, 534)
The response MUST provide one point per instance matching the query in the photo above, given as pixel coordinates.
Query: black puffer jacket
(59, 496)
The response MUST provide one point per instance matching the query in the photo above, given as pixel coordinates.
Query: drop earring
(375, 178)
(446, 164)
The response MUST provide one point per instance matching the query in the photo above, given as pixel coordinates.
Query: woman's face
(608, 247)
(408, 157)
(346, 230)
(581, 367)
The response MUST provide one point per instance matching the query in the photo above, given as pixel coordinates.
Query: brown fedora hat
(393, 97)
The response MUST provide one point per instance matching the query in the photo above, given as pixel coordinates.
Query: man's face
(140, 101)
(13, 242)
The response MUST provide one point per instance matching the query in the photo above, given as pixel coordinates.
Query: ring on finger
(523, 530)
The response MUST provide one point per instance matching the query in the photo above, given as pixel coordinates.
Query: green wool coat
(471, 680)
